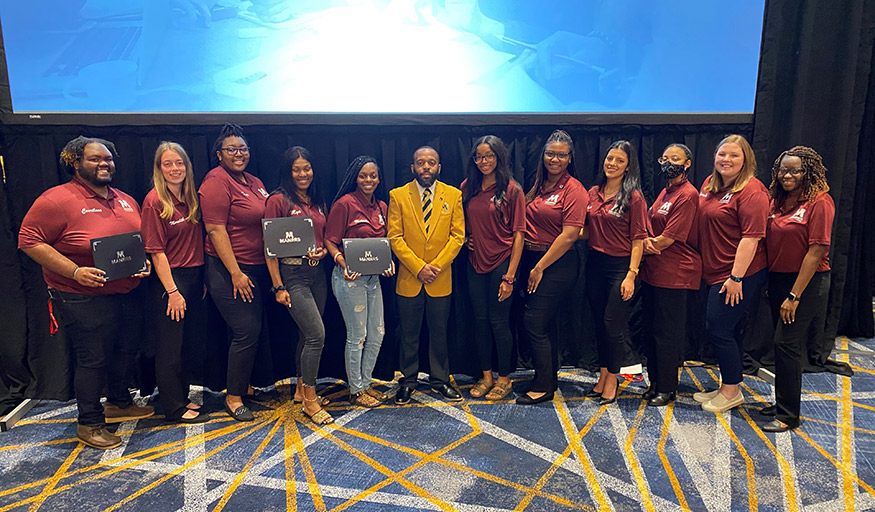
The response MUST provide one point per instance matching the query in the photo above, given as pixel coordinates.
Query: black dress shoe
(769, 411)
(525, 399)
(403, 395)
(593, 394)
(607, 401)
(650, 393)
(661, 399)
(448, 392)
(776, 426)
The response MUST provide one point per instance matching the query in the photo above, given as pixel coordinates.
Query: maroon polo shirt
(564, 205)
(67, 217)
(789, 234)
(726, 218)
(278, 206)
(492, 225)
(674, 215)
(353, 216)
(237, 206)
(612, 234)
(180, 240)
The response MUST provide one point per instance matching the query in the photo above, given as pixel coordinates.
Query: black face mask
(672, 170)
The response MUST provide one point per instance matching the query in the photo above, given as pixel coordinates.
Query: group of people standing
(733, 233)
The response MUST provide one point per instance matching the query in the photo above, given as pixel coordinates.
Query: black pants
(245, 319)
(610, 312)
(665, 328)
(104, 353)
(308, 291)
(791, 340)
(724, 325)
(540, 312)
(175, 349)
(410, 313)
(491, 318)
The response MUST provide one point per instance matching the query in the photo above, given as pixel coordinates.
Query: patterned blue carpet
(569, 454)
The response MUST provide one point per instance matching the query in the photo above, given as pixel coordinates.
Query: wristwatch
(792, 297)
(508, 280)
(274, 289)
(736, 278)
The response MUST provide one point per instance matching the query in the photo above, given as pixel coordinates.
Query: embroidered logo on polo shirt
(359, 221)
(663, 210)
(615, 211)
(382, 222)
(91, 210)
(244, 194)
(125, 205)
(725, 199)
(175, 222)
(799, 216)
(295, 212)
(263, 192)
(552, 200)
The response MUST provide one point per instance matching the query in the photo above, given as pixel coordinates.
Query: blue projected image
(392, 56)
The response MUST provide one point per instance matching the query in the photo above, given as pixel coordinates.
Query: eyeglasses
(484, 158)
(795, 171)
(673, 159)
(553, 154)
(236, 151)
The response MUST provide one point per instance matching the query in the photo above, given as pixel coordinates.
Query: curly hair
(813, 175)
(74, 150)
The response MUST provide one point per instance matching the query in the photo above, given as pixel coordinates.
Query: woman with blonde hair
(173, 236)
(733, 207)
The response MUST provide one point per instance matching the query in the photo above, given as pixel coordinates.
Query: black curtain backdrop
(815, 88)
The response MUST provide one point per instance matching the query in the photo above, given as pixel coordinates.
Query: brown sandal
(320, 417)
(376, 393)
(499, 391)
(479, 389)
(363, 399)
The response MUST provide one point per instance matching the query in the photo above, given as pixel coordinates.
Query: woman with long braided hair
(797, 246)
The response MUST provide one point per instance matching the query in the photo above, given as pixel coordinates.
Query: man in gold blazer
(426, 230)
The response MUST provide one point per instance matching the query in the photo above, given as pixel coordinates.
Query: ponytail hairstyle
(541, 174)
(189, 193)
(813, 175)
(474, 178)
(631, 178)
(287, 185)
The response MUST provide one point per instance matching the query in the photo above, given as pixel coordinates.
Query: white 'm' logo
(553, 199)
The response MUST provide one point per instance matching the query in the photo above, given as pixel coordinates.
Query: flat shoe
(200, 418)
(480, 389)
(527, 400)
(320, 417)
(705, 396)
(776, 426)
(722, 404)
(362, 399)
(241, 413)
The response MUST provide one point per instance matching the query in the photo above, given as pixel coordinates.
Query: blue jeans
(361, 303)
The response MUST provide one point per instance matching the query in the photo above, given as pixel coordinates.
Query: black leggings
(491, 318)
(243, 318)
(610, 312)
